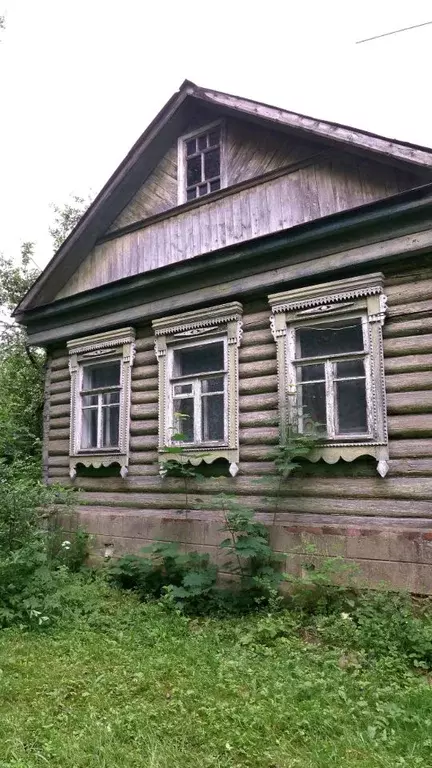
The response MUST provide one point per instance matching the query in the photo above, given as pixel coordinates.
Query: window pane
(213, 418)
(212, 164)
(182, 389)
(330, 340)
(202, 190)
(191, 146)
(214, 137)
(351, 398)
(193, 171)
(199, 359)
(350, 368)
(101, 375)
(184, 418)
(110, 426)
(313, 403)
(191, 194)
(213, 385)
(89, 400)
(311, 372)
(202, 141)
(89, 428)
(110, 398)
(214, 185)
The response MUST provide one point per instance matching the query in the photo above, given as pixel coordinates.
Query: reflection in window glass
(332, 340)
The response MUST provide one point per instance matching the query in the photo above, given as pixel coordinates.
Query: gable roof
(156, 139)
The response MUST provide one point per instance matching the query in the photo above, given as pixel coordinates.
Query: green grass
(133, 685)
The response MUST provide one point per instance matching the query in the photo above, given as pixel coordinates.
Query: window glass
(312, 403)
(351, 407)
(312, 372)
(110, 426)
(212, 164)
(330, 340)
(193, 170)
(213, 418)
(194, 360)
(89, 428)
(350, 368)
(184, 418)
(101, 375)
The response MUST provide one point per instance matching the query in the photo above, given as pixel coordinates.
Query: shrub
(32, 574)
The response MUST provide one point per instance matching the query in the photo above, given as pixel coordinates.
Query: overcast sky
(81, 79)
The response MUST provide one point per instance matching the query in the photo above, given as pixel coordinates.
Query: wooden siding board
(302, 195)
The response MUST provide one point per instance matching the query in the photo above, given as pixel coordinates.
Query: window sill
(96, 460)
(349, 451)
(195, 455)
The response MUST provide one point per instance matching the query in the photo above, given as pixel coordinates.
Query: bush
(32, 571)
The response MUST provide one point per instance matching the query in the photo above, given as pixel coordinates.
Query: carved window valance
(331, 366)
(197, 355)
(100, 370)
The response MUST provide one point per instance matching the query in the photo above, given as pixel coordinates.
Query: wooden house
(241, 264)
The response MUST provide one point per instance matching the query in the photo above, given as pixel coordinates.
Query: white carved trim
(360, 296)
(221, 321)
(118, 345)
(327, 293)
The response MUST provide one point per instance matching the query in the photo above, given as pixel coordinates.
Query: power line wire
(395, 32)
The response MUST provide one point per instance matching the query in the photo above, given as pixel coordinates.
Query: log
(61, 375)
(141, 372)
(260, 402)
(258, 384)
(60, 398)
(256, 453)
(408, 327)
(145, 384)
(408, 363)
(143, 442)
(59, 461)
(257, 338)
(409, 402)
(410, 467)
(340, 508)
(144, 343)
(147, 427)
(407, 382)
(410, 426)
(259, 419)
(60, 386)
(144, 397)
(144, 410)
(261, 368)
(59, 434)
(410, 448)
(256, 320)
(258, 352)
(417, 290)
(145, 358)
(259, 435)
(60, 362)
(402, 311)
(59, 411)
(146, 456)
(57, 447)
(408, 345)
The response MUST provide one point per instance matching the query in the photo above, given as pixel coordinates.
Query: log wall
(383, 524)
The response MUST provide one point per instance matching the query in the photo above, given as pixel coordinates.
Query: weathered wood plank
(413, 425)
(404, 382)
(409, 402)
(410, 448)
(408, 327)
(407, 363)
(408, 345)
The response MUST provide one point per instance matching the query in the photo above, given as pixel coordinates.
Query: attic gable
(152, 147)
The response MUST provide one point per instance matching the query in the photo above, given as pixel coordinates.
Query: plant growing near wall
(178, 462)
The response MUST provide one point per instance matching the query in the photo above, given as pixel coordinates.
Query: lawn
(135, 685)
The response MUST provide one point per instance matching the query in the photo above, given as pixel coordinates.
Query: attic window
(200, 163)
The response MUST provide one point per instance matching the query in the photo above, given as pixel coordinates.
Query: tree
(66, 218)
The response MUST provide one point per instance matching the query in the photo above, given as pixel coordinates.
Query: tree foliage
(66, 217)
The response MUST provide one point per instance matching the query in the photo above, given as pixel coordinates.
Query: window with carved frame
(201, 162)
(331, 367)
(100, 369)
(198, 383)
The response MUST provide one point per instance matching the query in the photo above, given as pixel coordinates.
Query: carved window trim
(110, 345)
(181, 159)
(352, 297)
(214, 323)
